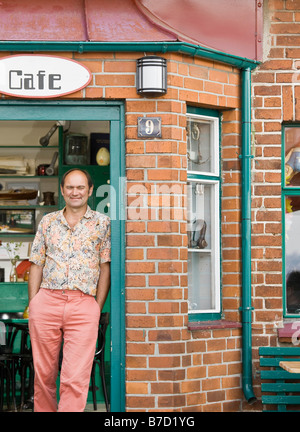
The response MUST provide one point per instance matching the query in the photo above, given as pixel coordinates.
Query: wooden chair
(16, 358)
(99, 360)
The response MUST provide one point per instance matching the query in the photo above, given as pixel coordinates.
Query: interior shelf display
(21, 161)
(80, 150)
(86, 145)
(28, 177)
(20, 221)
(34, 155)
(14, 264)
(29, 193)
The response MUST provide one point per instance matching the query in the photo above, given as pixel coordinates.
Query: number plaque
(149, 127)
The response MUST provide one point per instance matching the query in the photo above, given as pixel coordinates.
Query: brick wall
(275, 100)
(168, 366)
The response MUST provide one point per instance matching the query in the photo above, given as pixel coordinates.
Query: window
(291, 220)
(203, 215)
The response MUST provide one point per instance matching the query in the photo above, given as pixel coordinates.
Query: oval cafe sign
(41, 76)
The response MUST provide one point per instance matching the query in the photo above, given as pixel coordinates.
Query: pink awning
(121, 21)
(230, 26)
(35, 20)
(77, 20)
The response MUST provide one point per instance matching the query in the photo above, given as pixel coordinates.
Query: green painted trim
(14, 296)
(114, 112)
(205, 317)
(283, 198)
(290, 190)
(203, 111)
(194, 176)
(154, 47)
(282, 157)
(117, 161)
(57, 110)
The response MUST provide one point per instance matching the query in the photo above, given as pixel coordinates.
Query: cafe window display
(34, 156)
(291, 208)
(203, 192)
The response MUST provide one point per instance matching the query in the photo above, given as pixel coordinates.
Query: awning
(230, 26)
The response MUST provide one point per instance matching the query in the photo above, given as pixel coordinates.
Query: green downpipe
(246, 238)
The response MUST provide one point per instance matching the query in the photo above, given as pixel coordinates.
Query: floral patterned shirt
(71, 257)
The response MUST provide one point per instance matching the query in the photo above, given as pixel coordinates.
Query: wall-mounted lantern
(151, 76)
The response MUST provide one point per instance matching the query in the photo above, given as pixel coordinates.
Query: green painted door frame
(113, 112)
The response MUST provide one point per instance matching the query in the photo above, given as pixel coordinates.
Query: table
(290, 366)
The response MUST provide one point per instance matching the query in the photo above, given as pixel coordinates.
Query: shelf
(27, 176)
(199, 250)
(16, 235)
(25, 207)
(13, 283)
(19, 260)
(85, 166)
(30, 147)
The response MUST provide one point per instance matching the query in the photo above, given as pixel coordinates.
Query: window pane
(200, 274)
(201, 141)
(292, 253)
(199, 215)
(203, 261)
(292, 156)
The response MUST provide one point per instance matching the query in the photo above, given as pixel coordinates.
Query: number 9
(149, 127)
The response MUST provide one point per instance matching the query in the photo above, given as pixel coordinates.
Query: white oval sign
(41, 76)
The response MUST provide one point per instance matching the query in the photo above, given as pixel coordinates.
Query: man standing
(68, 284)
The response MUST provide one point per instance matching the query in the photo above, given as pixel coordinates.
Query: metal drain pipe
(246, 238)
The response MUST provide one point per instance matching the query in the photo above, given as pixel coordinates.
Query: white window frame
(212, 179)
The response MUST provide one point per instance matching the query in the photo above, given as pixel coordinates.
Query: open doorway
(83, 129)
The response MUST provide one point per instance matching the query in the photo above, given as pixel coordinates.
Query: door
(108, 195)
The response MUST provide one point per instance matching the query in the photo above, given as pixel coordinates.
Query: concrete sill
(207, 325)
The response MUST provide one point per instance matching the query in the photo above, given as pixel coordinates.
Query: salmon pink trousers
(71, 317)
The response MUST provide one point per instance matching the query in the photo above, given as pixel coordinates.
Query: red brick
(287, 99)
